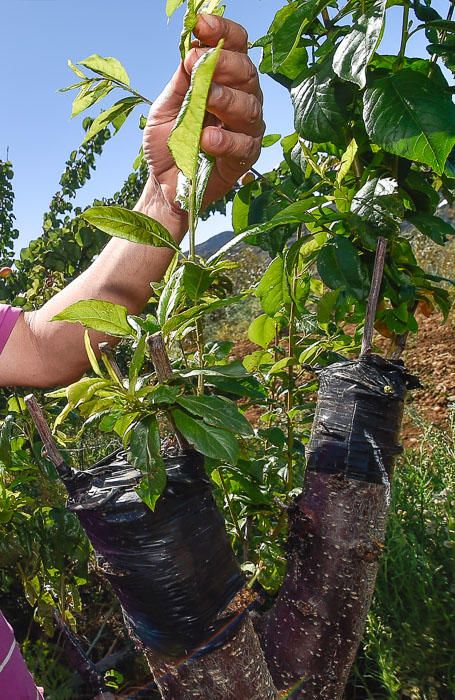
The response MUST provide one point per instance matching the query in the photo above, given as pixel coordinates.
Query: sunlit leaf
(102, 316)
(108, 67)
(131, 225)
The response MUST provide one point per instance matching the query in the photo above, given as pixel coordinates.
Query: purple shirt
(16, 682)
(8, 318)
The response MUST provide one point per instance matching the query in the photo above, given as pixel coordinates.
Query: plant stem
(373, 296)
(291, 378)
(231, 509)
(404, 34)
(192, 216)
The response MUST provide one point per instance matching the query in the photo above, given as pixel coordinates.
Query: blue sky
(36, 39)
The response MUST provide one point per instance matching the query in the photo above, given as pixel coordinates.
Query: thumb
(168, 104)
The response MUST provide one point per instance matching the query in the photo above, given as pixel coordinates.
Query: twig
(164, 373)
(105, 349)
(52, 451)
(378, 271)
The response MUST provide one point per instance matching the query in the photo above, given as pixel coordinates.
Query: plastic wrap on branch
(173, 569)
(336, 529)
(358, 418)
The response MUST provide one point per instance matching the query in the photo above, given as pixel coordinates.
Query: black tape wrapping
(358, 418)
(173, 569)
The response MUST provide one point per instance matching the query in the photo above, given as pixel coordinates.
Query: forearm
(53, 352)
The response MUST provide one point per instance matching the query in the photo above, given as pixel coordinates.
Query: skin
(41, 353)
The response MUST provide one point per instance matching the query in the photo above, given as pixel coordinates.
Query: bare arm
(44, 353)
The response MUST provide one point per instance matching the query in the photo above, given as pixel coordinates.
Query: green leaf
(339, 265)
(102, 316)
(108, 67)
(319, 116)
(326, 305)
(262, 331)
(87, 98)
(196, 280)
(273, 289)
(172, 6)
(114, 115)
(285, 54)
(136, 364)
(347, 160)
(5, 440)
(270, 140)
(378, 204)
(204, 170)
(185, 137)
(409, 115)
(171, 296)
(241, 207)
(144, 451)
(91, 355)
(207, 439)
(130, 225)
(353, 54)
(432, 226)
(217, 411)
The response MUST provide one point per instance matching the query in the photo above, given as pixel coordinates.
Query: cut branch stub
(52, 451)
(373, 297)
(164, 373)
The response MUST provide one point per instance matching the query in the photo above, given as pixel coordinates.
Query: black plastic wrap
(173, 569)
(358, 418)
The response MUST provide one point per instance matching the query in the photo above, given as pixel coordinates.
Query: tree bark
(236, 671)
(336, 534)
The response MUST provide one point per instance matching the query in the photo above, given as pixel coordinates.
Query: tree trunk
(236, 671)
(336, 534)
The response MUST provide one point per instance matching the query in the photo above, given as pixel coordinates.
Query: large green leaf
(144, 451)
(319, 116)
(377, 203)
(409, 115)
(108, 67)
(339, 265)
(114, 115)
(102, 316)
(217, 411)
(273, 289)
(262, 330)
(196, 280)
(432, 226)
(186, 135)
(207, 439)
(130, 225)
(356, 49)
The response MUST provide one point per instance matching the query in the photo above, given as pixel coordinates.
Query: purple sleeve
(15, 678)
(8, 318)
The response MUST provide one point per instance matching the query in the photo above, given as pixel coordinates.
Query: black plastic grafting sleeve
(358, 418)
(173, 569)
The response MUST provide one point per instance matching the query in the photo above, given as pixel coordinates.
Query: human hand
(234, 127)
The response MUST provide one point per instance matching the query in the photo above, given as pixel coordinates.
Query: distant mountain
(210, 246)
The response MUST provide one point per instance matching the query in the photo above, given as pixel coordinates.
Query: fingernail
(216, 91)
(215, 137)
(212, 21)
